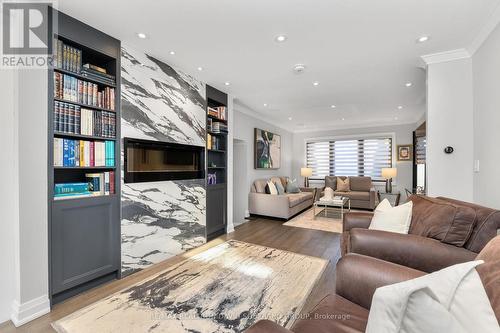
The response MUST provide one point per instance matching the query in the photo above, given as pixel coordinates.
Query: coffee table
(337, 204)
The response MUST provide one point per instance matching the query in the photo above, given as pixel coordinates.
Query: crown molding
(238, 107)
(446, 56)
(486, 30)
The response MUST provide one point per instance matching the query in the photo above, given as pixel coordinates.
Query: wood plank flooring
(259, 231)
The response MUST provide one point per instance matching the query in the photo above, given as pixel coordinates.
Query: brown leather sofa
(443, 232)
(362, 193)
(357, 278)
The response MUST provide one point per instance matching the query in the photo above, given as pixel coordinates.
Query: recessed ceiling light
(280, 38)
(265, 104)
(289, 118)
(172, 52)
(299, 68)
(200, 68)
(141, 35)
(315, 83)
(333, 106)
(343, 119)
(422, 39)
(395, 118)
(400, 107)
(227, 83)
(408, 84)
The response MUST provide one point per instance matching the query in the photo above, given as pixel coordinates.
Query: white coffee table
(337, 204)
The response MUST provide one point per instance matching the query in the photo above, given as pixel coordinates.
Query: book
(64, 188)
(94, 183)
(72, 195)
(71, 89)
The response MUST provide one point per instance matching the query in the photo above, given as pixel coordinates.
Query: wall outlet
(476, 166)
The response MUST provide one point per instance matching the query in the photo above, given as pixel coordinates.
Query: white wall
(449, 123)
(402, 135)
(8, 199)
(486, 78)
(243, 129)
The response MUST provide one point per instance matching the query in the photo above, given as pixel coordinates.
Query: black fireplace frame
(143, 177)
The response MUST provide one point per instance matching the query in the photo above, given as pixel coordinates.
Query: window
(355, 157)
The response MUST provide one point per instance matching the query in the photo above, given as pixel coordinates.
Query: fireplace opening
(150, 161)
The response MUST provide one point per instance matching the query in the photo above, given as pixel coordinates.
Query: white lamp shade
(389, 173)
(306, 172)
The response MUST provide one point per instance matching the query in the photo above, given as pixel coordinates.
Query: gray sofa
(362, 193)
(280, 206)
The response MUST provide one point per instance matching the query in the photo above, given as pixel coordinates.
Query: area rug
(306, 220)
(224, 289)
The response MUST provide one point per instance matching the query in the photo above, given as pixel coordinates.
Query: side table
(393, 197)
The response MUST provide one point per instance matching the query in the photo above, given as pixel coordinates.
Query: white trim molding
(490, 25)
(25, 312)
(446, 56)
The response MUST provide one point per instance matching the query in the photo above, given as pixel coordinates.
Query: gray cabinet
(216, 210)
(85, 241)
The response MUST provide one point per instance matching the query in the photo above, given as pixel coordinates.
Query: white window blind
(420, 149)
(356, 157)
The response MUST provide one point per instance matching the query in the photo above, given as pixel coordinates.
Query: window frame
(391, 135)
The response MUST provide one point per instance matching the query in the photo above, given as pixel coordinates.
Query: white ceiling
(361, 52)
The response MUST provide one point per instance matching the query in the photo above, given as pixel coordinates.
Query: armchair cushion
(421, 253)
(441, 220)
(358, 276)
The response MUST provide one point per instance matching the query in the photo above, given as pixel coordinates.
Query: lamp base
(388, 186)
(306, 181)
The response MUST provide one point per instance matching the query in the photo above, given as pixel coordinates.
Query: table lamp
(388, 174)
(306, 173)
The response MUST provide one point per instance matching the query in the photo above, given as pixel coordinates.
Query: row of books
(211, 179)
(96, 184)
(71, 89)
(217, 127)
(214, 143)
(67, 57)
(219, 112)
(70, 118)
(98, 73)
(82, 153)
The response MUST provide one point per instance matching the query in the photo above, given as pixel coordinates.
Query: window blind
(357, 157)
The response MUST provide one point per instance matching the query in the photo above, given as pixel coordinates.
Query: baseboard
(25, 312)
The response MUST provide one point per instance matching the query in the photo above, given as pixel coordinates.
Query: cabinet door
(85, 240)
(216, 208)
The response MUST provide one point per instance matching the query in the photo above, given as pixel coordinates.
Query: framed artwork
(405, 152)
(267, 150)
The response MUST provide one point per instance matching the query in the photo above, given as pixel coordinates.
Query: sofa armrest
(373, 198)
(267, 326)
(421, 253)
(269, 205)
(356, 220)
(358, 276)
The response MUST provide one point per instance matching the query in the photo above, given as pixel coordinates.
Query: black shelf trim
(82, 136)
(215, 133)
(216, 167)
(84, 168)
(89, 197)
(216, 118)
(83, 105)
(216, 151)
(83, 77)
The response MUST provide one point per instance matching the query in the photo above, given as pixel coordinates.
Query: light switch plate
(476, 166)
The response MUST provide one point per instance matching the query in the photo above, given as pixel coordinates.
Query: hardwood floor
(260, 231)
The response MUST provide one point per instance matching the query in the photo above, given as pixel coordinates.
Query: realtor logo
(25, 34)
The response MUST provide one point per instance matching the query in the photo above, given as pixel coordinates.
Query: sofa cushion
(354, 195)
(363, 184)
(260, 185)
(271, 188)
(343, 185)
(279, 187)
(334, 314)
(295, 199)
(284, 181)
(292, 187)
(489, 272)
(441, 220)
(331, 182)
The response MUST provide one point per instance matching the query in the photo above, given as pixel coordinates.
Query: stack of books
(214, 143)
(71, 89)
(70, 118)
(98, 73)
(67, 57)
(82, 153)
(219, 127)
(96, 184)
(218, 112)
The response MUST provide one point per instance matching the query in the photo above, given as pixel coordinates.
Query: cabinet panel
(216, 209)
(85, 240)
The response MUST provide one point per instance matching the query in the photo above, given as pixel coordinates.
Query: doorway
(240, 181)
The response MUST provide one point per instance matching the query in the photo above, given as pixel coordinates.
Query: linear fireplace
(151, 161)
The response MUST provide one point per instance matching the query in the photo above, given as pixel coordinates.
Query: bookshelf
(84, 158)
(217, 116)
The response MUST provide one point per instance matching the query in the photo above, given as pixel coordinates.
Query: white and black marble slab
(224, 289)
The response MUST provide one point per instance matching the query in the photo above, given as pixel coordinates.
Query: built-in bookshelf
(84, 158)
(217, 132)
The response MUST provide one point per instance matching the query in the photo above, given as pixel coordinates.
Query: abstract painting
(267, 150)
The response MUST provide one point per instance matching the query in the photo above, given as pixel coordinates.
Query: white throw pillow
(272, 188)
(393, 219)
(450, 300)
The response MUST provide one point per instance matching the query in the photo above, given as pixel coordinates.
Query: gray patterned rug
(224, 289)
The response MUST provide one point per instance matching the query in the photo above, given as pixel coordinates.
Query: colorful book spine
(71, 188)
